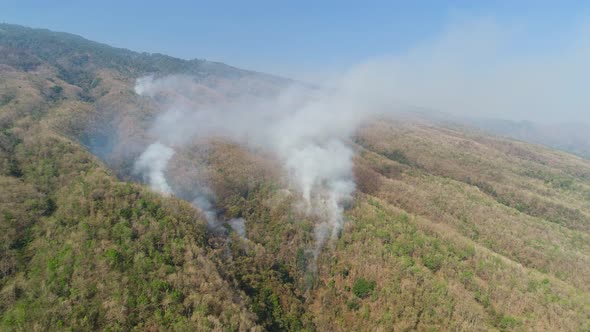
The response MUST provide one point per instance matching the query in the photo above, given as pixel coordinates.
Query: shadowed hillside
(449, 228)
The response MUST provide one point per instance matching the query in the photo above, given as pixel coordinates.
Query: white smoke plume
(307, 130)
(469, 70)
(204, 201)
(151, 165)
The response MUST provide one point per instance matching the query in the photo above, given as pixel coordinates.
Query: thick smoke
(308, 131)
(152, 163)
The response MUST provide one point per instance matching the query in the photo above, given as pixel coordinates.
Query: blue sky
(293, 38)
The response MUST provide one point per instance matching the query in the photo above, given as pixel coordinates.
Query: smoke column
(152, 163)
(308, 130)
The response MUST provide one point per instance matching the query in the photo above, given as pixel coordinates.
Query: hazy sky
(508, 59)
(295, 38)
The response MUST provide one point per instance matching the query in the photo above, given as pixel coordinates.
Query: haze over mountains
(140, 191)
(570, 137)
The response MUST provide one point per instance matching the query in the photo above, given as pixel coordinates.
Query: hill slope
(450, 228)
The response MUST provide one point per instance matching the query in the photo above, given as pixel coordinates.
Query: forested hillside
(450, 228)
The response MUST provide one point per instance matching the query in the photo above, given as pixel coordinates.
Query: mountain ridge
(21, 37)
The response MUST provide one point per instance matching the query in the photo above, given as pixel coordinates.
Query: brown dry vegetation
(450, 229)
